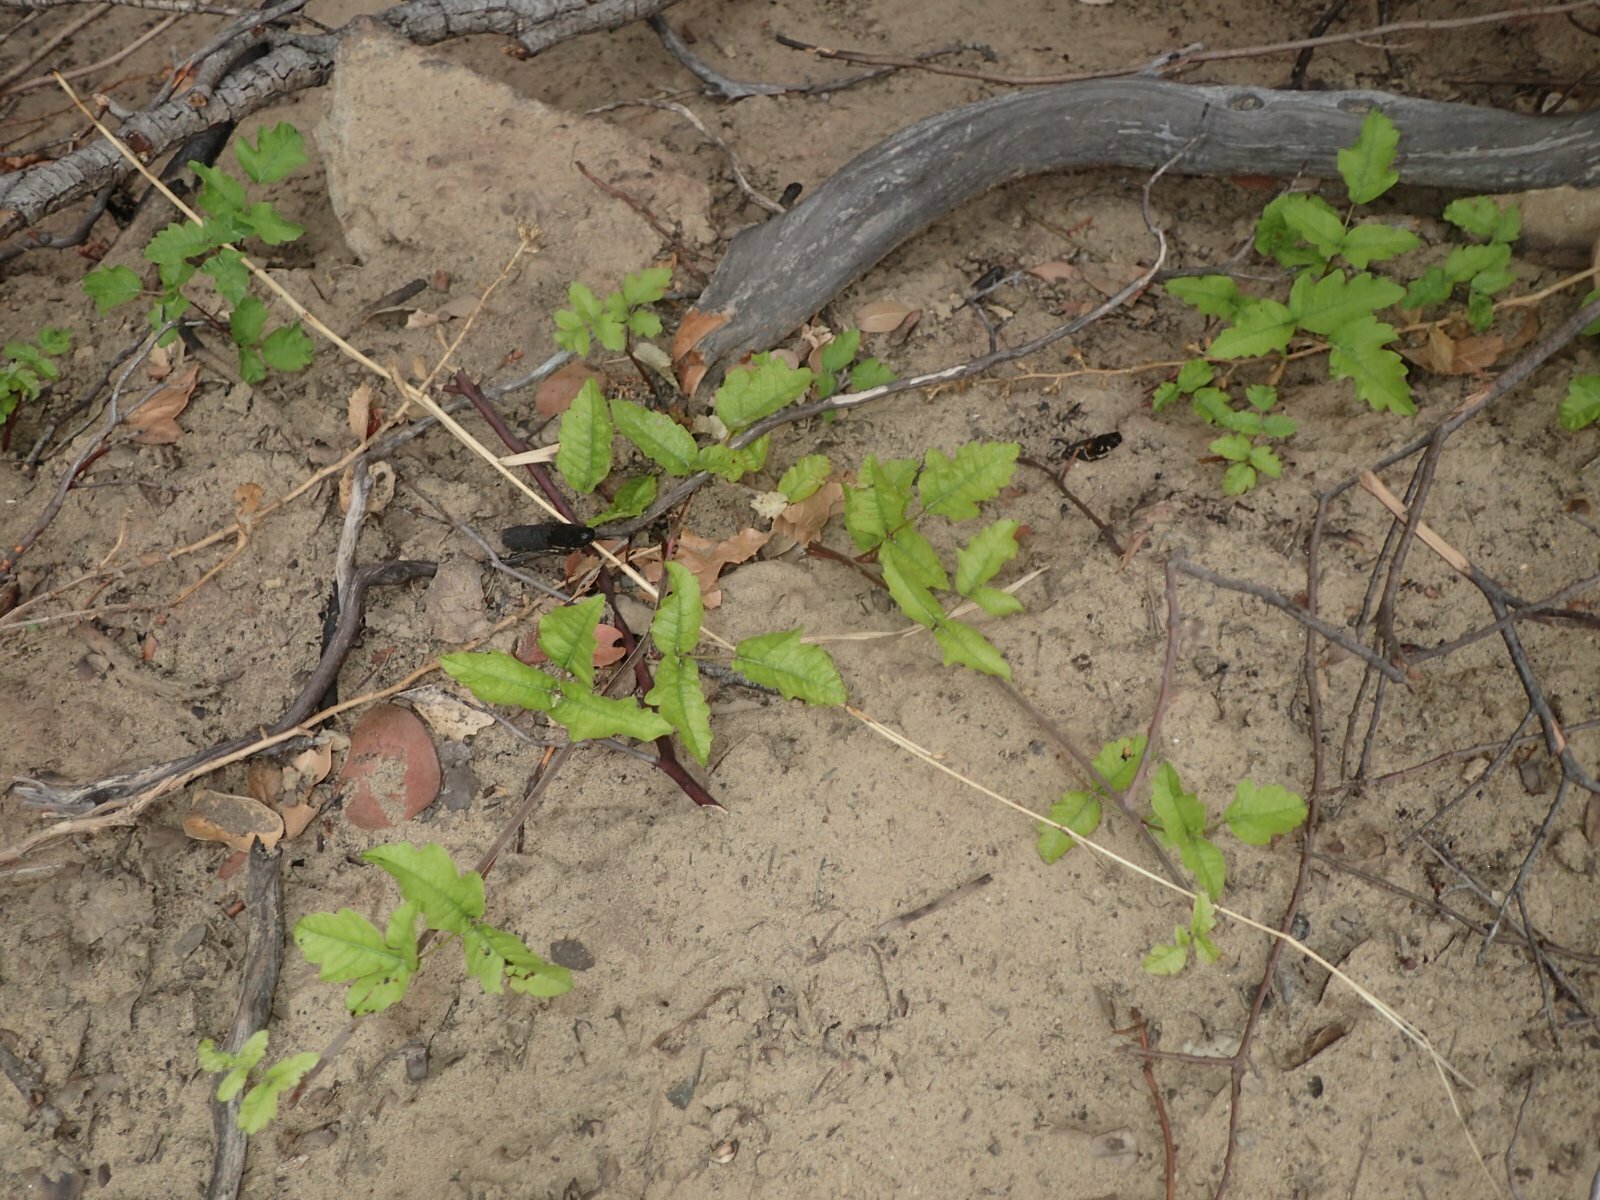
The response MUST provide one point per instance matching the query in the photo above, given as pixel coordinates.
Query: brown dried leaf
(1108, 278)
(264, 782)
(687, 360)
(449, 716)
(155, 422)
(234, 821)
(359, 410)
(296, 817)
(1054, 271)
(707, 558)
(803, 521)
(556, 393)
(248, 497)
(881, 316)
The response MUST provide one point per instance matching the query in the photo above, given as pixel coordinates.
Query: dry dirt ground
(740, 987)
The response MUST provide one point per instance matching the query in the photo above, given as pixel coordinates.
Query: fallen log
(778, 273)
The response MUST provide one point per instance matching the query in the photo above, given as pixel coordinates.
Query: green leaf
(750, 393)
(492, 952)
(1259, 814)
(1195, 373)
(963, 644)
(251, 367)
(1118, 761)
(644, 324)
(1480, 311)
(841, 351)
(1261, 396)
(678, 696)
(1368, 166)
(914, 596)
(1079, 812)
(611, 332)
(248, 322)
(1246, 421)
(1164, 395)
(221, 194)
(1261, 327)
(1316, 224)
(1379, 374)
(730, 464)
(675, 629)
(1212, 405)
(1276, 240)
(1433, 287)
(278, 151)
(1581, 408)
(870, 373)
(237, 1066)
(1235, 447)
(659, 438)
(572, 335)
(1264, 460)
(349, 949)
(259, 1108)
(915, 558)
(805, 477)
(1169, 960)
(632, 498)
(1327, 304)
(111, 286)
(1481, 217)
(448, 899)
(1182, 818)
(177, 243)
(584, 456)
(263, 221)
(647, 286)
(1238, 479)
(1209, 867)
(567, 635)
(1201, 922)
(496, 677)
(1465, 263)
(1367, 244)
(876, 507)
(995, 602)
(1276, 425)
(287, 348)
(799, 672)
(1214, 295)
(953, 487)
(586, 716)
(54, 341)
(980, 560)
(226, 267)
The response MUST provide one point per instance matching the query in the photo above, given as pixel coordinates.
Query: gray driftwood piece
(778, 273)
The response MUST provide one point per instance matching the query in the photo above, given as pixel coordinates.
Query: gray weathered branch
(778, 273)
(294, 64)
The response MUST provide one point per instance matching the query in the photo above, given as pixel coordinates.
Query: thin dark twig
(1502, 755)
(257, 983)
(687, 255)
(1516, 1132)
(1059, 479)
(1149, 1072)
(1333, 634)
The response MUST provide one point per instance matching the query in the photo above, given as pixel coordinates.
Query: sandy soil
(744, 1023)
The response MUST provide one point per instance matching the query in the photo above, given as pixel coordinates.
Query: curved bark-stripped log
(778, 273)
(293, 64)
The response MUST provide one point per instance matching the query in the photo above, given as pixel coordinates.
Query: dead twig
(257, 983)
